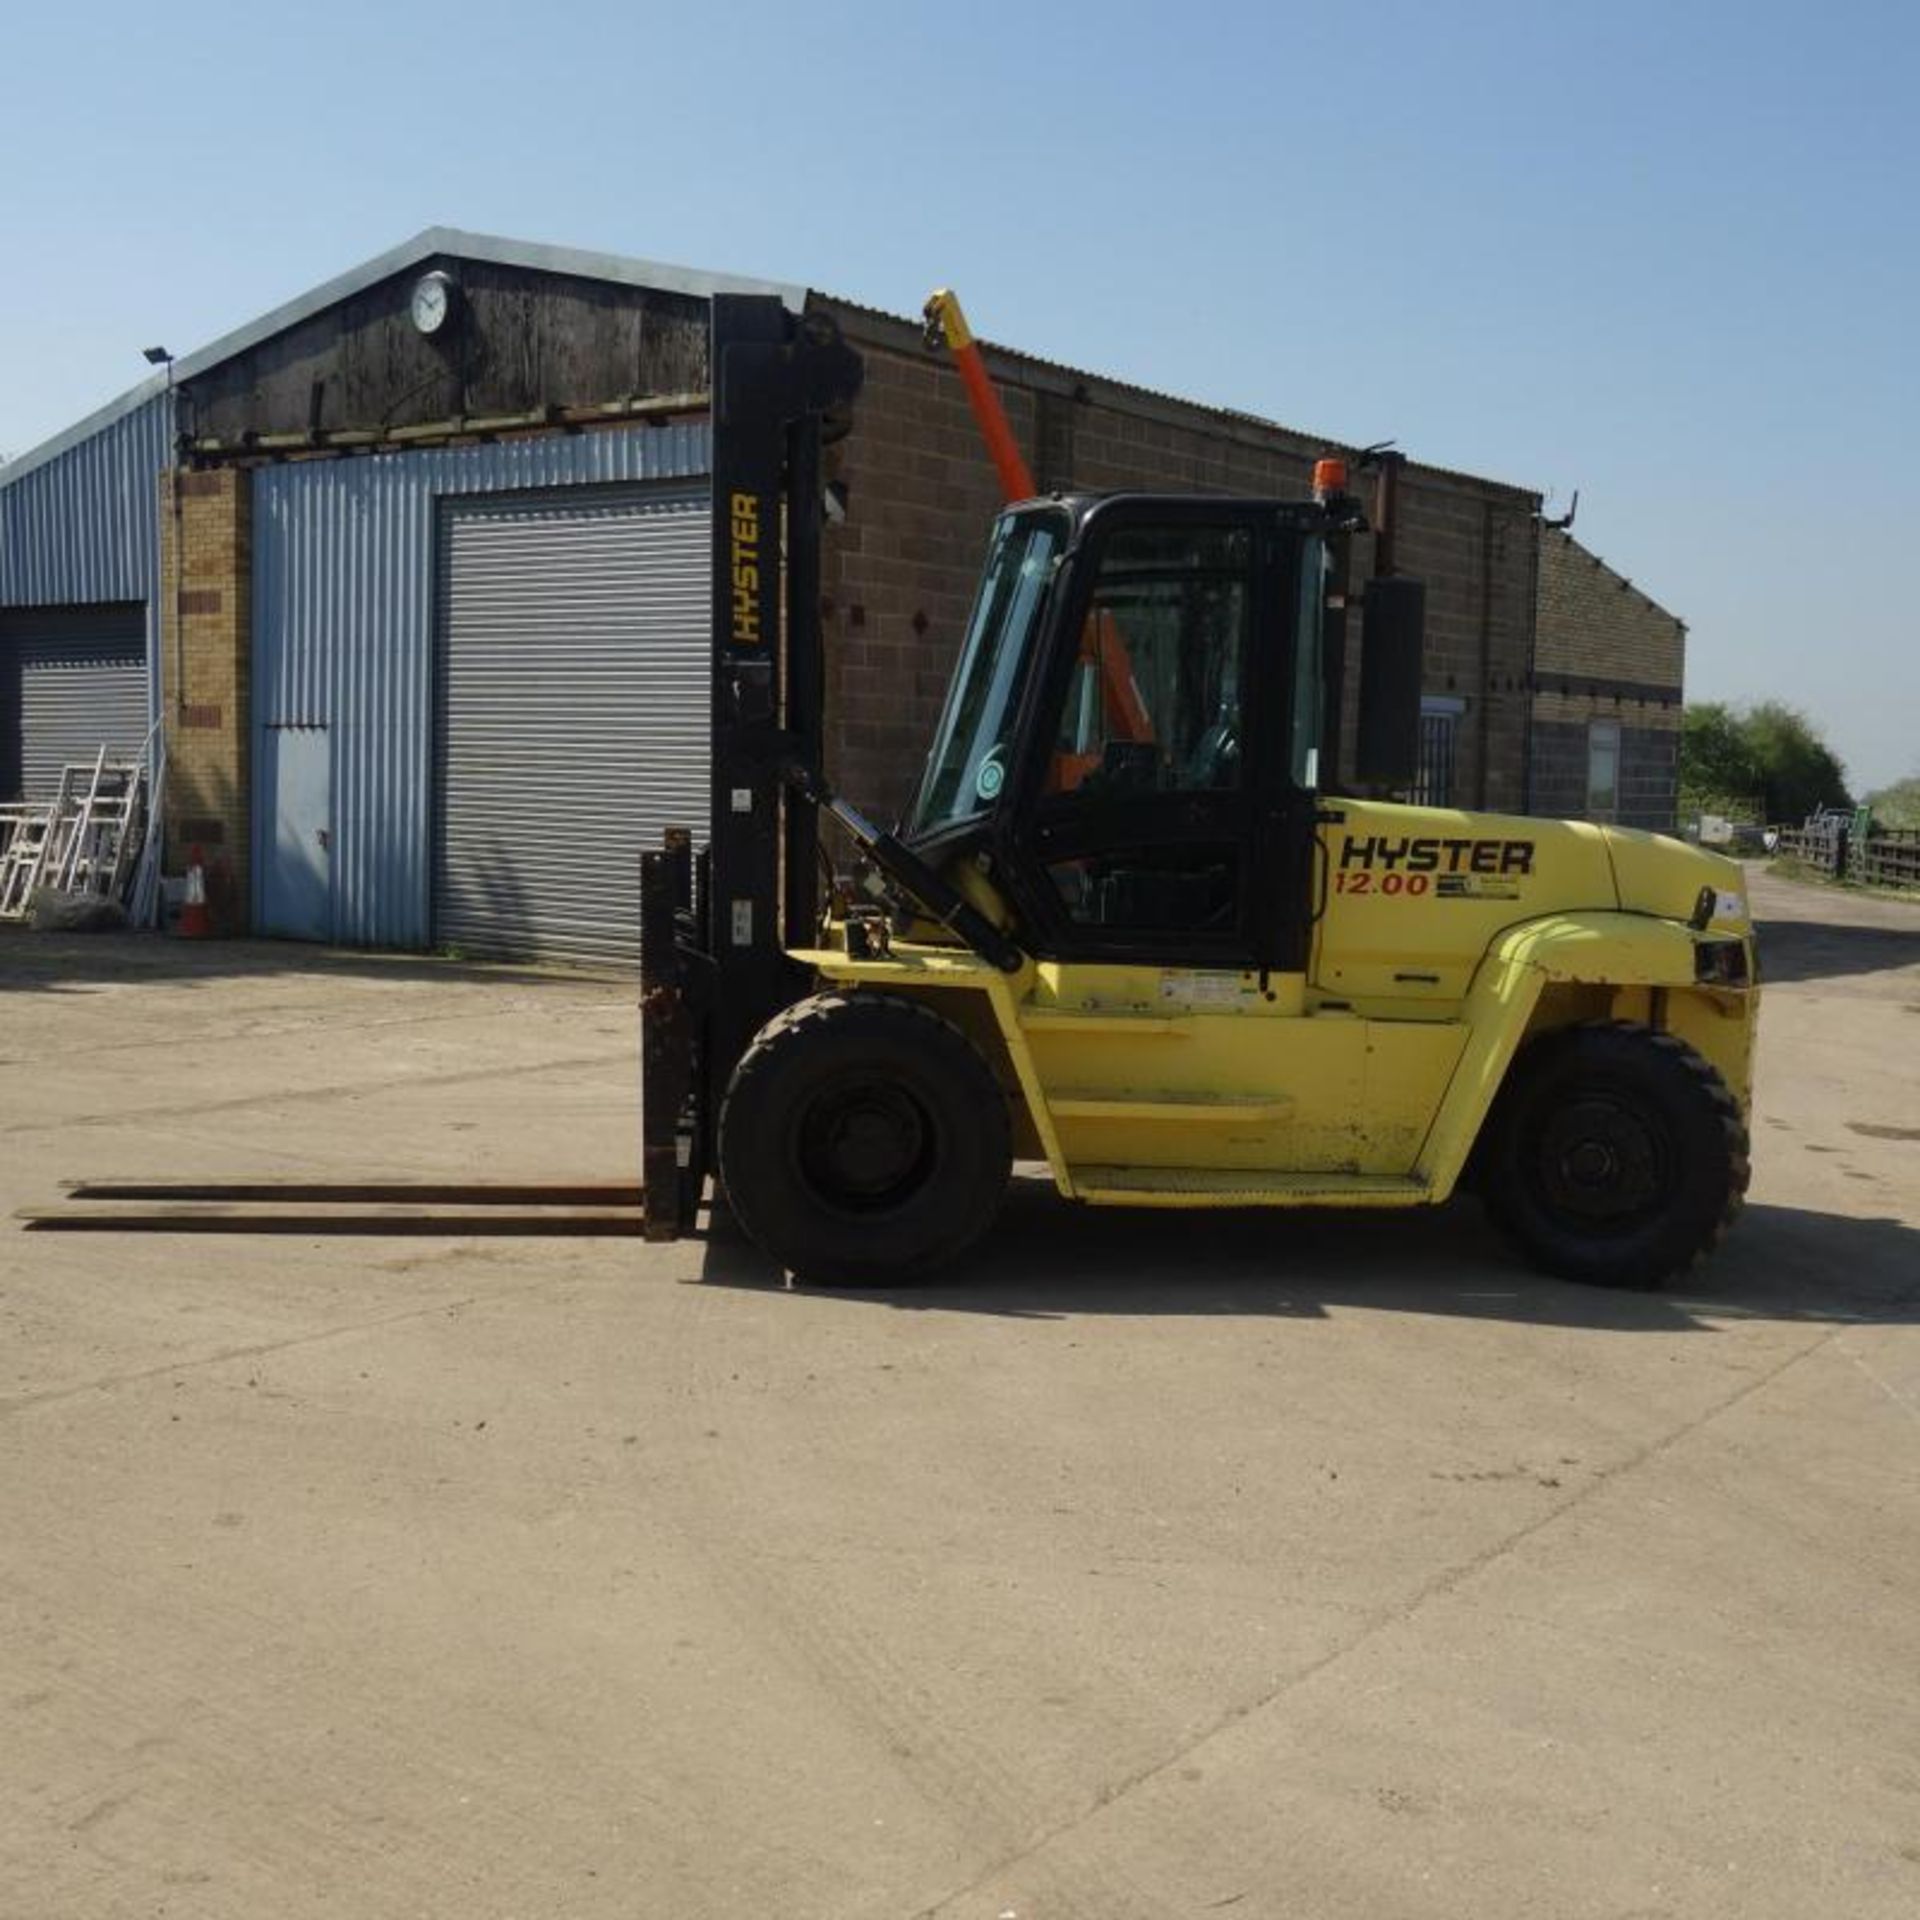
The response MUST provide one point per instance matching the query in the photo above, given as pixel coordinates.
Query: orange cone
(193, 912)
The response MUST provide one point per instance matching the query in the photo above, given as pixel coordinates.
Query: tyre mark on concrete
(700, 1505)
(978, 1795)
(347, 1090)
(719, 1485)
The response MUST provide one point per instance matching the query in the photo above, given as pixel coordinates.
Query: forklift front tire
(863, 1140)
(1617, 1156)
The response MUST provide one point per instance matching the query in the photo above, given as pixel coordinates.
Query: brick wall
(206, 655)
(1605, 651)
(1648, 767)
(1649, 777)
(1475, 548)
(1596, 622)
(898, 578)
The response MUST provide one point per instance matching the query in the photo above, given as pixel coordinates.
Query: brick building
(432, 664)
(1608, 669)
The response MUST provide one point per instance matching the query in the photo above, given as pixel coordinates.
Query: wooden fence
(1879, 859)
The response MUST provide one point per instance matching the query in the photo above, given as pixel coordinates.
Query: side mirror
(1393, 630)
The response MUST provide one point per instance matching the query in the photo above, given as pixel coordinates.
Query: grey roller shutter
(571, 695)
(72, 680)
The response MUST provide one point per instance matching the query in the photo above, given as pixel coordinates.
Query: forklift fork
(672, 1167)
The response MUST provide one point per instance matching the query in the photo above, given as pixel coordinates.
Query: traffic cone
(193, 912)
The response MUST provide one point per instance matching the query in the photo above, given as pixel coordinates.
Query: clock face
(432, 301)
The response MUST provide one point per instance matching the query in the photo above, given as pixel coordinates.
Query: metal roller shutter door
(72, 680)
(571, 720)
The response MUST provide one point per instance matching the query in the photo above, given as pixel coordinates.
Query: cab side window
(1153, 703)
(1143, 809)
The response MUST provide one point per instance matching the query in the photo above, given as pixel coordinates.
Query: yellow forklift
(1137, 923)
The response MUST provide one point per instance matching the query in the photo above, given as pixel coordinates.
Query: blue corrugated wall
(83, 524)
(343, 584)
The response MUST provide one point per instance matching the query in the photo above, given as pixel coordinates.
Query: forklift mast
(715, 922)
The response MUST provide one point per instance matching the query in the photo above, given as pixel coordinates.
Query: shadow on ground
(1047, 1259)
(1817, 950)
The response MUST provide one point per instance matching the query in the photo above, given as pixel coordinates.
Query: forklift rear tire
(1616, 1156)
(863, 1140)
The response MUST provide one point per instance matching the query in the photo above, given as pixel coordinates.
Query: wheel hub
(864, 1144)
(1605, 1160)
(1591, 1163)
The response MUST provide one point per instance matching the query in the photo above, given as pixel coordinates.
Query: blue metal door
(296, 897)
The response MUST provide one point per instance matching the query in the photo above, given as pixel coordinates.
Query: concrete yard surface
(1148, 1566)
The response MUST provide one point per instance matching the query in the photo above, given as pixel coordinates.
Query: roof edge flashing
(892, 331)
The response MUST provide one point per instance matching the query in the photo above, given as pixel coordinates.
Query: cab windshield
(969, 761)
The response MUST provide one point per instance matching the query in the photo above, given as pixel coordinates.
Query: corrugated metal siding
(84, 525)
(73, 680)
(343, 631)
(571, 707)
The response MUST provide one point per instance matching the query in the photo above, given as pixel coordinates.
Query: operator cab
(1132, 741)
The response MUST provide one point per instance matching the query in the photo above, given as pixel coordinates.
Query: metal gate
(72, 680)
(571, 713)
(1439, 728)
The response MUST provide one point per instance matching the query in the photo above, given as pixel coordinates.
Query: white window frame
(1603, 741)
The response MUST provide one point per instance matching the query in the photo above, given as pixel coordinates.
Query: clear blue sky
(1662, 253)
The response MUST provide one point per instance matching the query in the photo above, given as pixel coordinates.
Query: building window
(1603, 769)
(1439, 725)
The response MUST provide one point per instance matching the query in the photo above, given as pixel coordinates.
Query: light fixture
(156, 356)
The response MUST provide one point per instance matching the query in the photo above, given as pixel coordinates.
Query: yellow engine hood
(1658, 875)
(1411, 897)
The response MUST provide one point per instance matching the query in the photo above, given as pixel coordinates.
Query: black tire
(863, 1140)
(1615, 1155)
